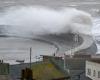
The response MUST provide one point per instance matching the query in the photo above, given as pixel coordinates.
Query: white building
(93, 69)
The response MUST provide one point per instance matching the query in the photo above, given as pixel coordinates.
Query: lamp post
(30, 56)
(64, 62)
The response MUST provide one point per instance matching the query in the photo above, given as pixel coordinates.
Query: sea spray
(42, 21)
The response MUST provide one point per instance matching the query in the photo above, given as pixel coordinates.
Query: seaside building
(93, 69)
(75, 66)
(4, 71)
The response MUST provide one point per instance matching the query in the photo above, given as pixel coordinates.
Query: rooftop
(46, 71)
(97, 60)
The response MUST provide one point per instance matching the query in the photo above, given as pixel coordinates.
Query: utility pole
(64, 62)
(30, 56)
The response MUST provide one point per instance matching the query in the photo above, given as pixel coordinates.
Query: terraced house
(93, 69)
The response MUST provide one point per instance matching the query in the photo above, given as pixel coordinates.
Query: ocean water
(96, 32)
(90, 6)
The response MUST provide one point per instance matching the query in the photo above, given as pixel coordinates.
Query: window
(94, 73)
(88, 71)
(98, 74)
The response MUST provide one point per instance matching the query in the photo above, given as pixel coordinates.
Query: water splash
(40, 21)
